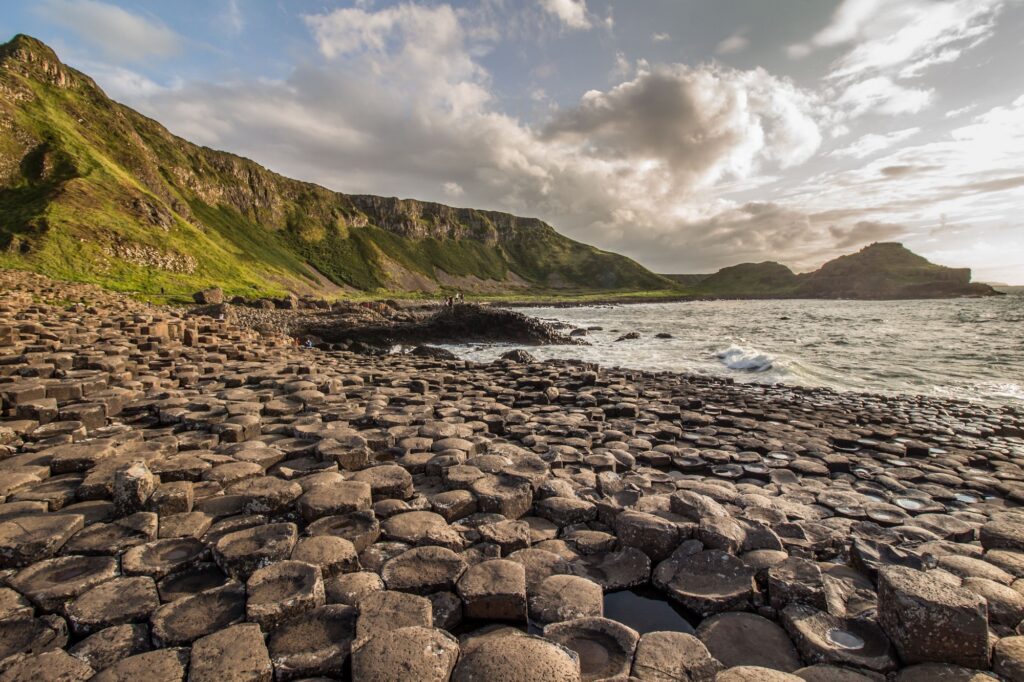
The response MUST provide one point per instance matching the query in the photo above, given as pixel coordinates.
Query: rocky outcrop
(878, 271)
(184, 498)
(456, 324)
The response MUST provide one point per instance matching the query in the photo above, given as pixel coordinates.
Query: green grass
(90, 175)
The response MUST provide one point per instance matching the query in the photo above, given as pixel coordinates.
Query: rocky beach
(184, 497)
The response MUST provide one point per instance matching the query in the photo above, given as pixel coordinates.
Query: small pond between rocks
(646, 610)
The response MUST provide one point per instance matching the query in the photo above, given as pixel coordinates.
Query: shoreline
(324, 496)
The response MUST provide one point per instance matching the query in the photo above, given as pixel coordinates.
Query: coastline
(425, 475)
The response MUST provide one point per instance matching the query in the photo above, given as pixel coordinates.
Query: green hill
(91, 190)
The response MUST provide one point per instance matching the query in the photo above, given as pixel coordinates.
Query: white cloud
(737, 42)
(122, 35)
(954, 113)
(453, 189)
(873, 143)
(660, 37)
(882, 95)
(401, 100)
(233, 19)
(911, 35)
(572, 13)
(892, 41)
(622, 67)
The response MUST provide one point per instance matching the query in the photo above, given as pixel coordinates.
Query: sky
(687, 134)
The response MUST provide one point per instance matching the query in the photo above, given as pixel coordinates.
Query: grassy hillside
(91, 190)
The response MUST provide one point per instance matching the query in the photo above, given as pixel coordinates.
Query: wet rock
(235, 654)
(494, 590)
(614, 571)
(823, 638)
(416, 652)
(664, 656)
(518, 355)
(604, 647)
(931, 620)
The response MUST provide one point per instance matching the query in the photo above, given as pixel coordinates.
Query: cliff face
(92, 190)
(888, 270)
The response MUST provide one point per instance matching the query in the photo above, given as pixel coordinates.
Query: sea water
(959, 348)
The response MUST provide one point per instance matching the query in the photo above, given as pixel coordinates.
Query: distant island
(885, 270)
(93, 191)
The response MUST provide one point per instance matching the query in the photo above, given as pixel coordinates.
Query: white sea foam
(745, 359)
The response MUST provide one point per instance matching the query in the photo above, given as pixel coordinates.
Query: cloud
(572, 13)
(737, 42)
(234, 21)
(399, 104)
(881, 95)
(702, 124)
(453, 189)
(660, 37)
(911, 35)
(902, 36)
(120, 34)
(873, 143)
(888, 42)
(864, 232)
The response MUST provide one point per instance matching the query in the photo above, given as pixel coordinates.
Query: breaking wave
(745, 359)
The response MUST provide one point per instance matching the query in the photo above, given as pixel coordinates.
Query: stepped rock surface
(182, 497)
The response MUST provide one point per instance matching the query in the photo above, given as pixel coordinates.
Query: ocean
(960, 348)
